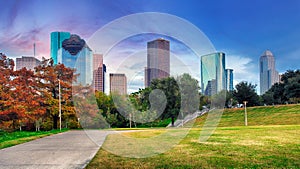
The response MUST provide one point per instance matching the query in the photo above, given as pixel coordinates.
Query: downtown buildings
(268, 73)
(158, 60)
(213, 73)
(75, 53)
(118, 83)
(214, 76)
(99, 73)
(229, 79)
(28, 62)
(56, 40)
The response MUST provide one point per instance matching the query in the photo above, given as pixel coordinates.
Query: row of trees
(29, 98)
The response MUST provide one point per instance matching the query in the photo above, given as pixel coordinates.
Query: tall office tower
(158, 60)
(28, 62)
(213, 73)
(268, 73)
(75, 53)
(99, 73)
(56, 39)
(118, 83)
(229, 79)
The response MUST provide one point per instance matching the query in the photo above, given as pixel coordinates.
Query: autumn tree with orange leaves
(29, 98)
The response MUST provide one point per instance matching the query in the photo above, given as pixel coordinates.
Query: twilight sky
(241, 29)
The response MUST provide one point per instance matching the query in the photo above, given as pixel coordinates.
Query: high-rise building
(28, 62)
(75, 53)
(268, 73)
(158, 60)
(99, 73)
(213, 73)
(229, 79)
(118, 83)
(56, 40)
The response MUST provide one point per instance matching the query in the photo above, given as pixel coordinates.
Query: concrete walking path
(72, 149)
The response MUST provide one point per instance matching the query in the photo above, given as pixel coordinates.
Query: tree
(27, 98)
(189, 90)
(292, 88)
(48, 75)
(288, 90)
(245, 91)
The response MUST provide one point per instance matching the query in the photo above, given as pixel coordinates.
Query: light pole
(246, 119)
(59, 100)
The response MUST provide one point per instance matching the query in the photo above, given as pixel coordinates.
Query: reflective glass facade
(268, 73)
(213, 73)
(229, 79)
(81, 59)
(56, 40)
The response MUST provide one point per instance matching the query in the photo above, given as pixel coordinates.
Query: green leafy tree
(245, 91)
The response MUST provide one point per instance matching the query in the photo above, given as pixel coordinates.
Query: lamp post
(59, 100)
(246, 119)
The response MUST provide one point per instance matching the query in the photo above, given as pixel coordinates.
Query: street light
(59, 100)
(246, 120)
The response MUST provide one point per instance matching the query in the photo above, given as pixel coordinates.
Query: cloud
(244, 69)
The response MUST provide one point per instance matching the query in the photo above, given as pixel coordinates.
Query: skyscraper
(118, 83)
(56, 40)
(268, 73)
(75, 53)
(229, 79)
(158, 60)
(28, 62)
(99, 73)
(213, 73)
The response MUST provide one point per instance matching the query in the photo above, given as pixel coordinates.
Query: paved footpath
(72, 149)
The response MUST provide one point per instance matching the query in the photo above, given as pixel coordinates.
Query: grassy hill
(270, 141)
(265, 115)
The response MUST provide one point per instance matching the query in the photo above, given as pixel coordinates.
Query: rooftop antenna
(33, 49)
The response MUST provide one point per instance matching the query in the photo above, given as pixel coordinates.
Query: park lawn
(10, 139)
(270, 141)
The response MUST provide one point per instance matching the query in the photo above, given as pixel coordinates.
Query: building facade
(76, 54)
(56, 40)
(118, 83)
(28, 62)
(213, 78)
(158, 60)
(229, 79)
(99, 73)
(268, 73)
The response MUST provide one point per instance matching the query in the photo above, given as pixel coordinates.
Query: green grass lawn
(272, 140)
(18, 137)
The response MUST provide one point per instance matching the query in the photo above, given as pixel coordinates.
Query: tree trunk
(173, 120)
(55, 121)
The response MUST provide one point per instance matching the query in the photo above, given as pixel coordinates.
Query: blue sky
(242, 29)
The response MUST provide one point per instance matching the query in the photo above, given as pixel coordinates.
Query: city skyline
(231, 27)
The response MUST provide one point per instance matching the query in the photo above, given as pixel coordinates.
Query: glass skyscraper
(229, 79)
(213, 73)
(268, 73)
(56, 39)
(76, 54)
